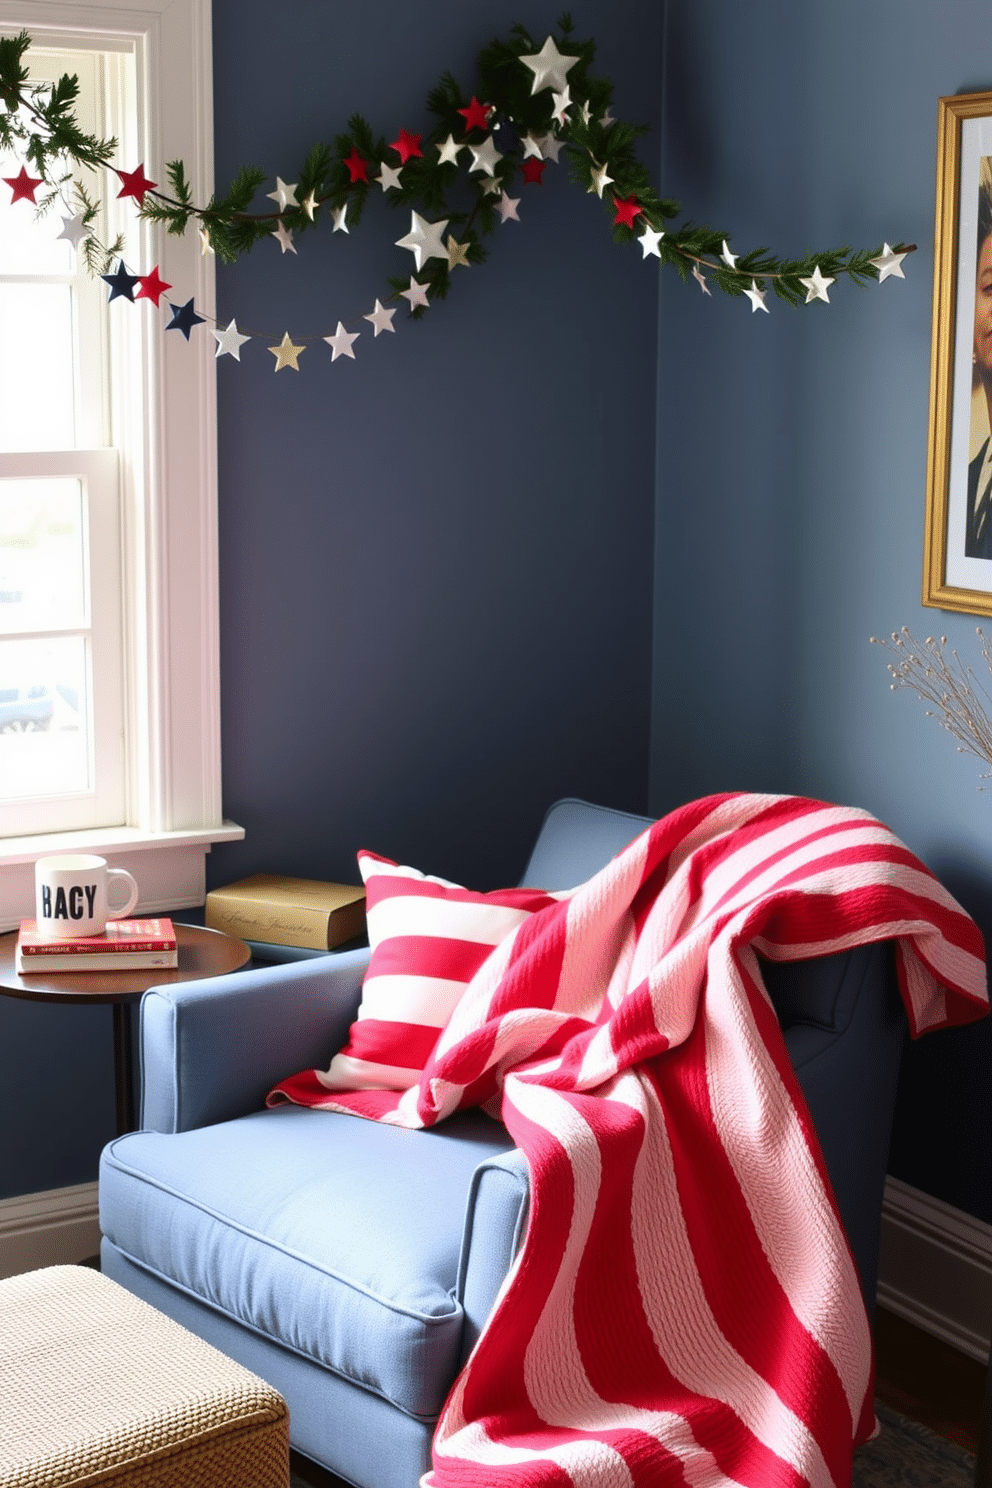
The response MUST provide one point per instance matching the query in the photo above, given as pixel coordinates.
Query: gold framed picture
(957, 556)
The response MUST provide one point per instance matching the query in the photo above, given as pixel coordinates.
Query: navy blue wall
(436, 560)
(792, 450)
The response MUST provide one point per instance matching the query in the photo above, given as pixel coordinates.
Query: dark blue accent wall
(792, 467)
(436, 559)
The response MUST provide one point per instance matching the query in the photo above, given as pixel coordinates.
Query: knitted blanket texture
(684, 1308)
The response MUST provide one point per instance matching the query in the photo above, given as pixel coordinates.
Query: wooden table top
(202, 953)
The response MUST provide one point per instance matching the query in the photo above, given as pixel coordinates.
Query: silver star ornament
(549, 66)
(381, 318)
(230, 342)
(757, 297)
(889, 264)
(283, 194)
(74, 230)
(816, 287)
(485, 156)
(341, 342)
(416, 294)
(424, 240)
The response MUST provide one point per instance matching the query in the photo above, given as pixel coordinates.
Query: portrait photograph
(958, 540)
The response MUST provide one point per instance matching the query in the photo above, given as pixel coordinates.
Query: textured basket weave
(98, 1387)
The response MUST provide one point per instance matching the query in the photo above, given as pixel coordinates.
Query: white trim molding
(935, 1268)
(164, 422)
(55, 1228)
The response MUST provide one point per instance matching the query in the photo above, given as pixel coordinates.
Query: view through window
(61, 695)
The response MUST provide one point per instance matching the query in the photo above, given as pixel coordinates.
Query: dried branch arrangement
(960, 703)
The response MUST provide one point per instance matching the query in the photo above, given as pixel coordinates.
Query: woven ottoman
(98, 1387)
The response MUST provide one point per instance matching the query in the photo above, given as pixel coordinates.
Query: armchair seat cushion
(341, 1245)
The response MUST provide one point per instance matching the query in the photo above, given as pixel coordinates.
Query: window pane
(44, 718)
(30, 244)
(36, 367)
(42, 555)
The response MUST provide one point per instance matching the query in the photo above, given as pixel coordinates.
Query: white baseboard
(935, 1268)
(54, 1228)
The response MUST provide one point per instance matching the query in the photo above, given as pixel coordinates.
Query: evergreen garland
(40, 123)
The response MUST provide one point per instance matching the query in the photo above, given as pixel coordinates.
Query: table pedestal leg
(123, 1068)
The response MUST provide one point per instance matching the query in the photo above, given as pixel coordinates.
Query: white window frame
(166, 411)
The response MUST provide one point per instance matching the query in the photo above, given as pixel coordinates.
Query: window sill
(169, 866)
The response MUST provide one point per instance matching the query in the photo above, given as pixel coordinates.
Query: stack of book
(125, 945)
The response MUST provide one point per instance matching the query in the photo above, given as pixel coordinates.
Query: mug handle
(117, 914)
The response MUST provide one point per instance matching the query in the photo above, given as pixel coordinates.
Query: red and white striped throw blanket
(685, 1308)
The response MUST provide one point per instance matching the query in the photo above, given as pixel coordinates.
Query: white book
(96, 961)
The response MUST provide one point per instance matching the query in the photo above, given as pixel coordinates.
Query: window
(108, 567)
(61, 622)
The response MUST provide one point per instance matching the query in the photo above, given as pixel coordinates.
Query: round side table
(202, 953)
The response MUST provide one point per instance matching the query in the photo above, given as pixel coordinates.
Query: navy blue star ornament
(121, 284)
(184, 318)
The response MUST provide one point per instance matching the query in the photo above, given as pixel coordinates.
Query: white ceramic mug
(71, 895)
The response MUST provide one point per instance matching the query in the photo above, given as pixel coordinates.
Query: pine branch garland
(40, 124)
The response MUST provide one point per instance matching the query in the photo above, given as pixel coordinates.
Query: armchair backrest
(576, 840)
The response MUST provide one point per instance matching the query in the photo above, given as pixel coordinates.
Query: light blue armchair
(353, 1264)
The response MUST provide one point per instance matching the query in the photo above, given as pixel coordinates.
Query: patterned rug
(903, 1455)
(907, 1455)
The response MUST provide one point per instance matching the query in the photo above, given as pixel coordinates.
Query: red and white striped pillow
(428, 937)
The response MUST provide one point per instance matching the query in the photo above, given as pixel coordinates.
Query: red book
(120, 936)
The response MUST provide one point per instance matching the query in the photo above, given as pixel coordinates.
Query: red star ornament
(23, 186)
(407, 145)
(152, 286)
(476, 116)
(532, 170)
(627, 210)
(136, 184)
(358, 169)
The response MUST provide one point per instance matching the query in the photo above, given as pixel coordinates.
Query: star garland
(509, 129)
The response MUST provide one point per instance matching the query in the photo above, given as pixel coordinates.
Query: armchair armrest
(211, 1050)
(495, 1221)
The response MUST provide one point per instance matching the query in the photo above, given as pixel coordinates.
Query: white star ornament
(549, 66)
(599, 179)
(700, 279)
(562, 102)
(424, 240)
(757, 297)
(284, 236)
(283, 194)
(816, 287)
(341, 342)
(551, 146)
(230, 342)
(507, 208)
(389, 177)
(416, 294)
(381, 318)
(730, 259)
(532, 146)
(339, 214)
(447, 154)
(74, 229)
(888, 265)
(649, 241)
(485, 156)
